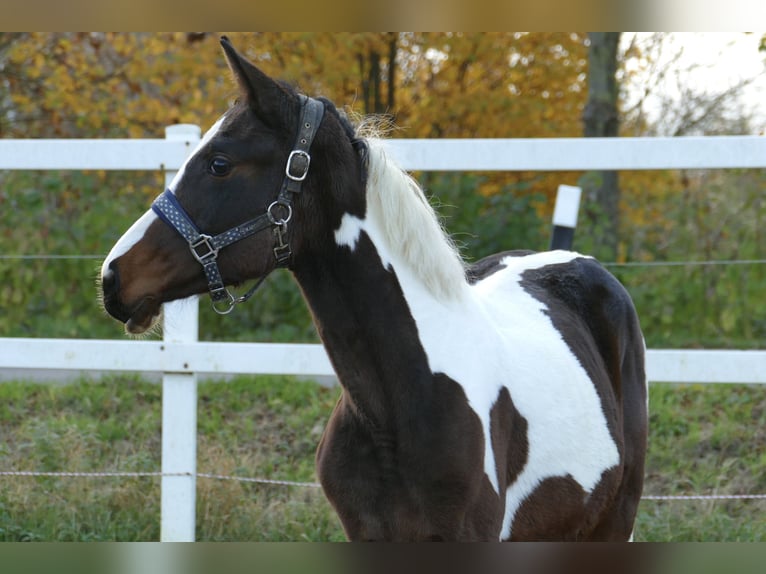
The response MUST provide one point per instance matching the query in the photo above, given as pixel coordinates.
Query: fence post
(565, 216)
(179, 404)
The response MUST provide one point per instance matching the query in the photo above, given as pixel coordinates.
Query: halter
(205, 248)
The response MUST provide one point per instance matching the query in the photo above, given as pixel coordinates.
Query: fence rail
(217, 358)
(180, 357)
(533, 154)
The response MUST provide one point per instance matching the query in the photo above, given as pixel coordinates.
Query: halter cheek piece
(205, 248)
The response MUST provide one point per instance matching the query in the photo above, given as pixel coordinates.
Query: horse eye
(219, 166)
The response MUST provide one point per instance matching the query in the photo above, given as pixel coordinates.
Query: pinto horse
(504, 400)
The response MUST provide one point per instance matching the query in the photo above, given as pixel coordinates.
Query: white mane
(410, 226)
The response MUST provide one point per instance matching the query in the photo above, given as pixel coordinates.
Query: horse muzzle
(138, 317)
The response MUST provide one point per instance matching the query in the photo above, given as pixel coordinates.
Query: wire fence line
(156, 474)
(293, 483)
(35, 257)
(671, 497)
(686, 263)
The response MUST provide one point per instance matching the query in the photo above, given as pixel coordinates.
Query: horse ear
(266, 96)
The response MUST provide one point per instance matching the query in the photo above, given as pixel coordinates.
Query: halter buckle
(302, 168)
(282, 251)
(203, 249)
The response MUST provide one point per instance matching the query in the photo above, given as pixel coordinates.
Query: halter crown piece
(205, 248)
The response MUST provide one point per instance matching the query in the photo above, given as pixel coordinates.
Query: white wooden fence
(180, 356)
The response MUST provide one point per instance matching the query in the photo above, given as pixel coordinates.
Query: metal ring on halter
(280, 221)
(230, 302)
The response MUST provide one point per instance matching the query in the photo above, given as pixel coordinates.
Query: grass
(264, 427)
(704, 439)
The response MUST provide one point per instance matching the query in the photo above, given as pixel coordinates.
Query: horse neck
(367, 327)
(369, 279)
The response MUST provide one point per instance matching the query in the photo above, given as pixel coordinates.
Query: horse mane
(411, 227)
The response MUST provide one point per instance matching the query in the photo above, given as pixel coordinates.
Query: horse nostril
(110, 281)
(110, 286)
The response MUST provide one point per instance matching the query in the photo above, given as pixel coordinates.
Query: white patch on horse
(128, 240)
(347, 235)
(491, 335)
(138, 229)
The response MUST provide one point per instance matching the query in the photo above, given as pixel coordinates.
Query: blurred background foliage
(430, 85)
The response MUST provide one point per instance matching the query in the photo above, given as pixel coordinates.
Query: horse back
(580, 297)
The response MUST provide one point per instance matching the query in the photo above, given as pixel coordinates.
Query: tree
(377, 66)
(663, 96)
(601, 119)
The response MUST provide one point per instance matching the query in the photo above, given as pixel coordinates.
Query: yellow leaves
(113, 84)
(645, 225)
(121, 44)
(64, 46)
(21, 100)
(446, 85)
(36, 66)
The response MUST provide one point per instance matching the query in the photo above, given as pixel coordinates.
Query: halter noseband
(205, 248)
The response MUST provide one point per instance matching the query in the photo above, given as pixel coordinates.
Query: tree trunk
(393, 48)
(374, 75)
(600, 119)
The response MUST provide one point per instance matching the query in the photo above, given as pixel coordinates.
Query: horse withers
(504, 400)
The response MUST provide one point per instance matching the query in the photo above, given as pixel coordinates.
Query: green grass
(704, 439)
(264, 427)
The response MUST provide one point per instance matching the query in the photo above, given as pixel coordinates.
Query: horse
(501, 400)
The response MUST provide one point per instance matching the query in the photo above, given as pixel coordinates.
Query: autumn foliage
(431, 85)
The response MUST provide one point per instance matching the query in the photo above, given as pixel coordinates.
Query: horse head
(245, 202)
